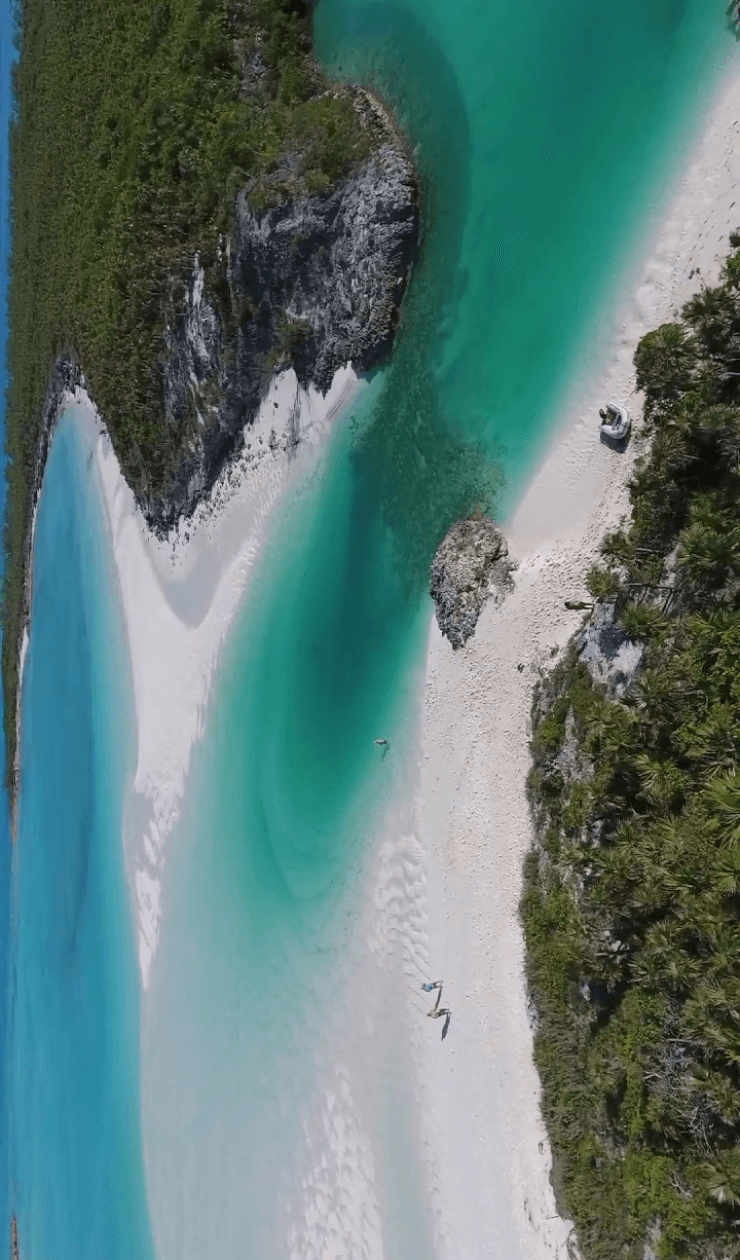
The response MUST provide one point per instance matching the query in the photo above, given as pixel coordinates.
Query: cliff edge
(314, 284)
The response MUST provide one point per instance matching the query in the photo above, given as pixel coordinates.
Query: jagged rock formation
(611, 657)
(312, 284)
(470, 566)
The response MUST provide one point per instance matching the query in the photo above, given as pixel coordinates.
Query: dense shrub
(632, 898)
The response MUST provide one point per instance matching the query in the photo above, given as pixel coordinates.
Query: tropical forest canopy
(632, 903)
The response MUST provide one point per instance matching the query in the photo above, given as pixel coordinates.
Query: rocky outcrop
(14, 1249)
(470, 566)
(611, 657)
(313, 284)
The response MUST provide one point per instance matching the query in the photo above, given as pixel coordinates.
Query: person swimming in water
(382, 743)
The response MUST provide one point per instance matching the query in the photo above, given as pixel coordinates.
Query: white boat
(616, 422)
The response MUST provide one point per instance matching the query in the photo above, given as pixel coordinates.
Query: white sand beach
(447, 873)
(486, 1140)
(179, 598)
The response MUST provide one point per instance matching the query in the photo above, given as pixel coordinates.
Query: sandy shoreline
(179, 597)
(460, 845)
(486, 1142)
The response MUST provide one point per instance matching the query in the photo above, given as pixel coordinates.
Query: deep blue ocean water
(76, 1158)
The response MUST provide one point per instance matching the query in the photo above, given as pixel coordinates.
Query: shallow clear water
(276, 1043)
(76, 1158)
(544, 135)
(256, 930)
(278, 1064)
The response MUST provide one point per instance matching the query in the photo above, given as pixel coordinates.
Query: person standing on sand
(438, 1011)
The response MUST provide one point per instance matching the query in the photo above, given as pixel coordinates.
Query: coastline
(179, 596)
(472, 820)
(66, 377)
(482, 1125)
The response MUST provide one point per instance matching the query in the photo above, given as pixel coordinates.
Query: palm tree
(663, 782)
(722, 796)
(706, 510)
(663, 959)
(664, 362)
(671, 452)
(729, 445)
(710, 555)
(726, 873)
(617, 871)
(721, 1092)
(723, 1178)
(711, 313)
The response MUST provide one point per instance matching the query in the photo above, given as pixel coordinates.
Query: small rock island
(471, 565)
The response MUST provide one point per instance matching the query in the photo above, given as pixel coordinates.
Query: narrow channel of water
(77, 1180)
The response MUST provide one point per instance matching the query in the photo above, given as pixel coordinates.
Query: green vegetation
(632, 899)
(136, 123)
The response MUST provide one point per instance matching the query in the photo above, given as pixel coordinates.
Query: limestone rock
(470, 566)
(313, 284)
(611, 657)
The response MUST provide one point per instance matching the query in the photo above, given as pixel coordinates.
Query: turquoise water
(76, 1163)
(545, 136)
(260, 875)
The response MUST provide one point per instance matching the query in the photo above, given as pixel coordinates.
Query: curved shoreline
(179, 597)
(363, 228)
(460, 843)
(472, 812)
(66, 377)
(471, 817)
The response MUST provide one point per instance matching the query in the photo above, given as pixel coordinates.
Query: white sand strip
(487, 1147)
(179, 598)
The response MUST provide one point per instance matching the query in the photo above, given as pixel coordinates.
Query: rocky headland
(313, 284)
(310, 282)
(470, 566)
